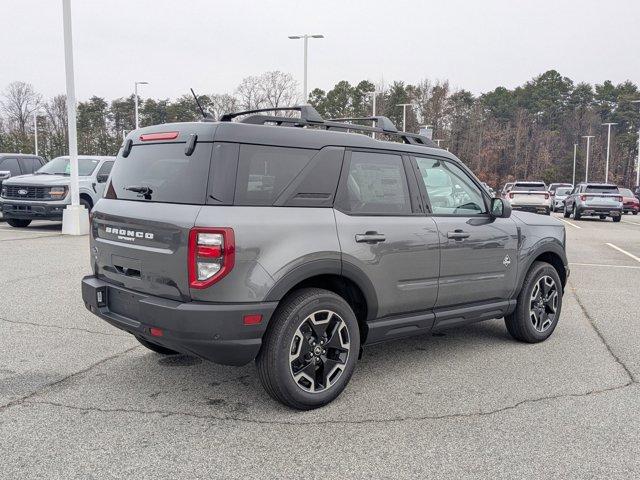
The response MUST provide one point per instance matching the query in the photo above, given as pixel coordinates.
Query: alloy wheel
(319, 351)
(543, 305)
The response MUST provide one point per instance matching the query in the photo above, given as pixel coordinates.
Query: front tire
(18, 222)
(566, 213)
(310, 349)
(539, 305)
(576, 213)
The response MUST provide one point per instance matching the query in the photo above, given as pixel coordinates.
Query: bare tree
(250, 93)
(19, 102)
(278, 89)
(220, 104)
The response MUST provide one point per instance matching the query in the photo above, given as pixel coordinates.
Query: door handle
(370, 237)
(458, 235)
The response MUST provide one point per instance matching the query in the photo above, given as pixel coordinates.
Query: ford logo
(22, 192)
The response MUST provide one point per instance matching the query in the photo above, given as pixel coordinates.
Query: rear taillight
(212, 253)
(583, 198)
(546, 196)
(154, 137)
(510, 195)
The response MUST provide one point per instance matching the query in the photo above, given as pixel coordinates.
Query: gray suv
(296, 243)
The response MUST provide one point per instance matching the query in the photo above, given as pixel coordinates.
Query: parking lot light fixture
(575, 153)
(638, 163)
(404, 114)
(606, 168)
(586, 168)
(136, 100)
(306, 38)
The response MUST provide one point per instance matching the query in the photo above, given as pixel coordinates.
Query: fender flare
(326, 267)
(549, 245)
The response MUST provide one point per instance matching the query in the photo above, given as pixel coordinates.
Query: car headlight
(58, 193)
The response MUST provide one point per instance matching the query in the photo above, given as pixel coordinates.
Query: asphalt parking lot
(79, 399)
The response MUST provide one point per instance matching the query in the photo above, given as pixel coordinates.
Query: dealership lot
(79, 398)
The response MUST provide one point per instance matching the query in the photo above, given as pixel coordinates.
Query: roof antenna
(204, 114)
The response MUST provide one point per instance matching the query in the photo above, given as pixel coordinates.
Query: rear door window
(162, 173)
(264, 172)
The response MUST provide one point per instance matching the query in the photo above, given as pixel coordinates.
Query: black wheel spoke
(542, 306)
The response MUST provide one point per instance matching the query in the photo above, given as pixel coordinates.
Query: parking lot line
(631, 255)
(633, 267)
(631, 223)
(568, 223)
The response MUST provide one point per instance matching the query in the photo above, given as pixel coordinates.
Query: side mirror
(102, 178)
(4, 174)
(500, 208)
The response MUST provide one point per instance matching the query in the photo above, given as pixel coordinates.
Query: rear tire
(18, 222)
(576, 214)
(635, 213)
(310, 349)
(539, 305)
(156, 348)
(617, 219)
(603, 217)
(566, 212)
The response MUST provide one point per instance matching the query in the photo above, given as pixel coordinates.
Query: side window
(27, 164)
(264, 172)
(105, 169)
(11, 165)
(376, 184)
(450, 190)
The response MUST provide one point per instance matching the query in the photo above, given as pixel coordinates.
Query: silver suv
(44, 194)
(295, 243)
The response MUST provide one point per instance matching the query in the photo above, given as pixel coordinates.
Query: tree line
(527, 132)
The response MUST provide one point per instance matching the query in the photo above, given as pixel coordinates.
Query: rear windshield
(162, 173)
(62, 166)
(534, 187)
(626, 192)
(601, 189)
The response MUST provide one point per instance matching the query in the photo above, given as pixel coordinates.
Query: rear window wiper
(145, 191)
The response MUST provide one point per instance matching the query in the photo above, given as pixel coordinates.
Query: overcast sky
(211, 45)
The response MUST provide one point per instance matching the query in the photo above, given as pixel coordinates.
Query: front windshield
(563, 191)
(61, 166)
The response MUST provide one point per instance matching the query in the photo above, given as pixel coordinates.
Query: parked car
(44, 194)
(557, 200)
(243, 240)
(630, 204)
(505, 190)
(636, 192)
(554, 186)
(14, 164)
(594, 199)
(530, 197)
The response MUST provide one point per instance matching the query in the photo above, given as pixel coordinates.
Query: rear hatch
(607, 196)
(140, 230)
(529, 194)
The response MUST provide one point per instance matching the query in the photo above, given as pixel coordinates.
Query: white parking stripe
(568, 223)
(631, 255)
(631, 223)
(603, 265)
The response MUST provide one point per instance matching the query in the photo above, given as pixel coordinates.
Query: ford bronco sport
(295, 243)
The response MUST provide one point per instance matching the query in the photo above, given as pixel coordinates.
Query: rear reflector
(156, 332)
(149, 137)
(253, 319)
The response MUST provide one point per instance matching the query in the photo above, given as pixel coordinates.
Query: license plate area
(124, 303)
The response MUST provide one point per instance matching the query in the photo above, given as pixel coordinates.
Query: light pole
(575, 152)
(306, 38)
(35, 130)
(404, 114)
(606, 168)
(373, 94)
(638, 164)
(586, 168)
(75, 218)
(136, 99)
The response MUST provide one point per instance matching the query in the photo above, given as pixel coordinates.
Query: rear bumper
(31, 211)
(631, 208)
(543, 209)
(212, 331)
(610, 212)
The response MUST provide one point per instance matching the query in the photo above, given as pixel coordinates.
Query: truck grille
(19, 192)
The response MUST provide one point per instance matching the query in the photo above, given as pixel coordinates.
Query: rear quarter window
(169, 174)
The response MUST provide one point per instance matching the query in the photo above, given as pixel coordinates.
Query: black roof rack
(309, 116)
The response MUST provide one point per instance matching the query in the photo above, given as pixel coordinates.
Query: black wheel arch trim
(550, 245)
(315, 268)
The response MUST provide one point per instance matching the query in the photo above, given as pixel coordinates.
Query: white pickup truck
(530, 197)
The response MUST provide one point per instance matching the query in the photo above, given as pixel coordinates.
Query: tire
(86, 204)
(617, 219)
(155, 347)
(530, 323)
(603, 217)
(635, 213)
(299, 379)
(18, 222)
(566, 213)
(576, 214)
